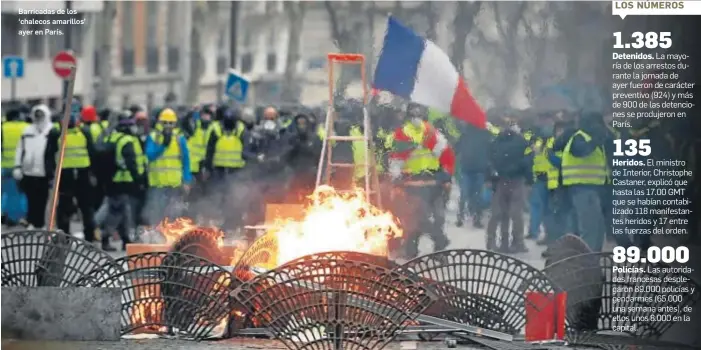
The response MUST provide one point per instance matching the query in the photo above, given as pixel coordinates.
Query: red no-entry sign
(62, 63)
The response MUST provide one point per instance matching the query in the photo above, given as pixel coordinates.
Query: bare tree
(430, 10)
(347, 34)
(295, 16)
(104, 55)
(463, 23)
(205, 18)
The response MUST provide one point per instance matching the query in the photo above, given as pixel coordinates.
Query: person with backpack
(169, 175)
(127, 181)
(76, 173)
(511, 170)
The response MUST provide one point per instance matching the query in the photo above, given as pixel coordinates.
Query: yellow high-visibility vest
(421, 159)
(123, 175)
(554, 174)
(76, 155)
(11, 135)
(359, 155)
(228, 151)
(167, 170)
(197, 146)
(590, 170)
(541, 164)
(96, 130)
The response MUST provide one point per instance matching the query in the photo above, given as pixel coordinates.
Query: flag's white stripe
(436, 79)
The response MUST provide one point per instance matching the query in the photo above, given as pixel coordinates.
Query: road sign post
(237, 86)
(13, 68)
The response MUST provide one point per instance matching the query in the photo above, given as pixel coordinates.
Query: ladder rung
(346, 138)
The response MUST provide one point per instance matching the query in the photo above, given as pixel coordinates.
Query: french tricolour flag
(417, 69)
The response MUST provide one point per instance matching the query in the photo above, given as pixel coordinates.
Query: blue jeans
(471, 195)
(538, 201)
(588, 216)
(14, 202)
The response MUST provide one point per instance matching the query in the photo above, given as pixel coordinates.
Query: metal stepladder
(326, 164)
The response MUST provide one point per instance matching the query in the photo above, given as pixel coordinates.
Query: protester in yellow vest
(14, 203)
(359, 148)
(541, 142)
(128, 181)
(228, 148)
(225, 145)
(89, 118)
(169, 172)
(77, 177)
(584, 172)
(420, 152)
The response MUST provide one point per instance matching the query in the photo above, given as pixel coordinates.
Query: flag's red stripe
(465, 107)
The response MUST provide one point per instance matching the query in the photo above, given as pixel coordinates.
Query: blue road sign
(236, 87)
(12, 67)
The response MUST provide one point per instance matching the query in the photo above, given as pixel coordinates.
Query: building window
(271, 7)
(36, 44)
(221, 65)
(125, 101)
(172, 39)
(222, 52)
(11, 41)
(271, 62)
(127, 18)
(246, 62)
(127, 61)
(152, 59)
(151, 25)
(173, 59)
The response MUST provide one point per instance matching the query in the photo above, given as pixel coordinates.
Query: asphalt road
(466, 237)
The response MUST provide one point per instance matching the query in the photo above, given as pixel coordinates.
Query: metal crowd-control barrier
(339, 304)
(168, 293)
(480, 288)
(37, 258)
(596, 301)
(338, 300)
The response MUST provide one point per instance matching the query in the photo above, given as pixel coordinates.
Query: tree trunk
(295, 16)
(432, 18)
(462, 25)
(199, 22)
(105, 53)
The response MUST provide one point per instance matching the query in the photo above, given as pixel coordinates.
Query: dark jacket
(473, 149)
(507, 157)
(130, 163)
(246, 153)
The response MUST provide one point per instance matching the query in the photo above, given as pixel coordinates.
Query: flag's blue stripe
(399, 59)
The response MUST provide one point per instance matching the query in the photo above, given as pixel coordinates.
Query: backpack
(106, 155)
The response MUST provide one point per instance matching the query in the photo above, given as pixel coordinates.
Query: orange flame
(173, 230)
(335, 222)
(146, 311)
